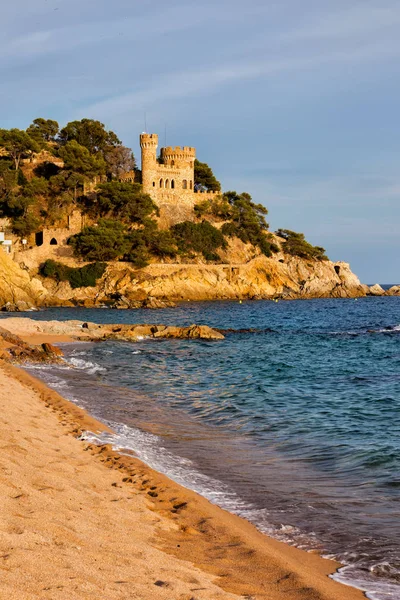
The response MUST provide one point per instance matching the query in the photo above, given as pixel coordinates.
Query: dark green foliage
(297, 245)
(23, 206)
(86, 276)
(106, 241)
(8, 183)
(137, 252)
(244, 219)
(160, 243)
(43, 130)
(199, 238)
(18, 144)
(123, 201)
(204, 178)
(89, 133)
(78, 159)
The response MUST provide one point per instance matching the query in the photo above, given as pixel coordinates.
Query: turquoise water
(294, 425)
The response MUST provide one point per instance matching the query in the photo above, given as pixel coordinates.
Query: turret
(179, 157)
(148, 144)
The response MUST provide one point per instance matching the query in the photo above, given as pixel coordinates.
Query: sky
(294, 101)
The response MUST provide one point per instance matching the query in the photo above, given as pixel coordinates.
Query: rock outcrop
(84, 331)
(158, 284)
(376, 290)
(393, 291)
(18, 291)
(161, 285)
(12, 347)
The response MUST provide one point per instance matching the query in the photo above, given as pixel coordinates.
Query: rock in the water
(52, 350)
(376, 290)
(393, 291)
(152, 302)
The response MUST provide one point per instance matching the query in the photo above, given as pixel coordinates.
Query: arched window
(172, 163)
(161, 183)
(53, 242)
(39, 238)
(167, 183)
(172, 184)
(184, 184)
(191, 184)
(154, 184)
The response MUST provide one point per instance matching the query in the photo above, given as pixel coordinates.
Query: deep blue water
(295, 426)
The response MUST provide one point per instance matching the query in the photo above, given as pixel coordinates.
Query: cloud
(204, 81)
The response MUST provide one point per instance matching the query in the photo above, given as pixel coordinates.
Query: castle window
(184, 184)
(172, 184)
(154, 184)
(191, 184)
(53, 242)
(172, 163)
(167, 183)
(161, 183)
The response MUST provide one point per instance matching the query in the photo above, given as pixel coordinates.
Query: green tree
(297, 245)
(18, 144)
(24, 208)
(199, 238)
(78, 159)
(89, 133)
(43, 130)
(205, 178)
(243, 218)
(123, 201)
(106, 241)
(8, 184)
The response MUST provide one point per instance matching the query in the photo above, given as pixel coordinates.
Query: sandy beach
(84, 522)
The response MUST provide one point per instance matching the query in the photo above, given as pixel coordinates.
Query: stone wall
(170, 184)
(50, 243)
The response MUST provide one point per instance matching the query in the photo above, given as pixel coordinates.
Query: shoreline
(226, 548)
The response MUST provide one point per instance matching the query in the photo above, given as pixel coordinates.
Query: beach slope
(82, 522)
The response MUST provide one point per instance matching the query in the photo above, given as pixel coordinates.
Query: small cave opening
(337, 269)
(39, 238)
(53, 242)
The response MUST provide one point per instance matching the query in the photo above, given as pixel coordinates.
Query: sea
(292, 421)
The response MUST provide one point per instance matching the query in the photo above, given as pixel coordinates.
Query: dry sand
(82, 522)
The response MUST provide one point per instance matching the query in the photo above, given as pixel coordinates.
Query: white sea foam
(86, 365)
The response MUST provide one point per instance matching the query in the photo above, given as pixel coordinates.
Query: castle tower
(148, 144)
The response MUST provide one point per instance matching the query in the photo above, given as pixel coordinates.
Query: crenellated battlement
(179, 149)
(178, 153)
(148, 140)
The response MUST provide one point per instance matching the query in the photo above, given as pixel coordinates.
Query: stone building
(170, 180)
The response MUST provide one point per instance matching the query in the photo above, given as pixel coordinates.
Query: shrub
(106, 241)
(86, 276)
(199, 237)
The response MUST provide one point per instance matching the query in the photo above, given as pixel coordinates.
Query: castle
(170, 180)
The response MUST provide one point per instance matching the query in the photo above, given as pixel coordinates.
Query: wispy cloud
(203, 81)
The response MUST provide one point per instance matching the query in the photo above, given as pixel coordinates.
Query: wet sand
(84, 522)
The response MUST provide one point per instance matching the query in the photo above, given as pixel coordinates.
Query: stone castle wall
(171, 183)
(49, 243)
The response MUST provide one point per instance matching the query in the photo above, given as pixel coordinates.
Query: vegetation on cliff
(86, 276)
(297, 245)
(83, 165)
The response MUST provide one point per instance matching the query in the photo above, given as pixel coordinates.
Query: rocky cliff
(17, 288)
(123, 286)
(278, 277)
